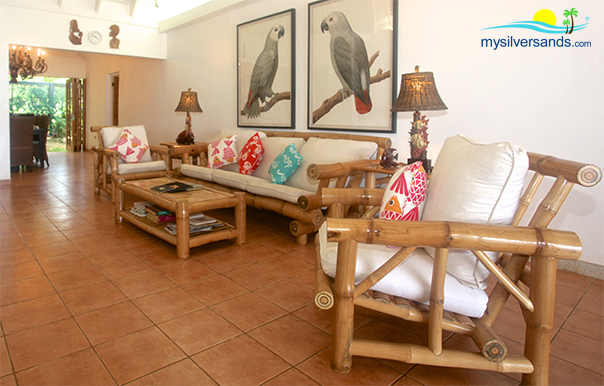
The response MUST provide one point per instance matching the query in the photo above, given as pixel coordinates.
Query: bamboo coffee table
(183, 204)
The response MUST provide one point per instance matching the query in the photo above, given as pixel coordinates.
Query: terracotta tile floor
(88, 302)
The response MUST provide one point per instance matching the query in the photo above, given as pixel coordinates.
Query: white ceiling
(162, 14)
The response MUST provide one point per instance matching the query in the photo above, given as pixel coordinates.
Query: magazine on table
(176, 187)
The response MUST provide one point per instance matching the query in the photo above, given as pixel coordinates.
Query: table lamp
(418, 92)
(188, 103)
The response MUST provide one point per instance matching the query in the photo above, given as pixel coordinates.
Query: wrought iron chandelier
(21, 63)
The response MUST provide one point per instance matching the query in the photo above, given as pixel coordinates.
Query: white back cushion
(110, 135)
(322, 151)
(476, 183)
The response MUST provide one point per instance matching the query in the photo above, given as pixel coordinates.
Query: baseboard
(582, 268)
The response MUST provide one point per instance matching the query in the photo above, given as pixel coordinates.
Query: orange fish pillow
(404, 194)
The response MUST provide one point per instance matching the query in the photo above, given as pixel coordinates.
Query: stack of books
(139, 209)
(197, 223)
(159, 215)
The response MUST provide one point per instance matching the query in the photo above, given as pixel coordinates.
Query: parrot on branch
(349, 59)
(263, 73)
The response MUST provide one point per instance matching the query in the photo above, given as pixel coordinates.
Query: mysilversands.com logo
(544, 21)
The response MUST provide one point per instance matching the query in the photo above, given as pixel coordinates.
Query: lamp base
(427, 163)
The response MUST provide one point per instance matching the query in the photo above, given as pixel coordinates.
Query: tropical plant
(571, 13)
(566, 23)
(41, 96)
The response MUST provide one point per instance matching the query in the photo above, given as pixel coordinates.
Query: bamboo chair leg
(540, 323)
(343, 325)
(302, 239)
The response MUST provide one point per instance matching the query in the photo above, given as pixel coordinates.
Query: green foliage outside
(41, 96)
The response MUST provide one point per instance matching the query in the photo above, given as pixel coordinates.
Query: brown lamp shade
(188, 102)
(418, 92)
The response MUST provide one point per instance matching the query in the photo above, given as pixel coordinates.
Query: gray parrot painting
(263, 73)
(349, 59)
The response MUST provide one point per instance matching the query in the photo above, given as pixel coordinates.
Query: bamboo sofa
(109, 166)
(358, 265)
(315, 148)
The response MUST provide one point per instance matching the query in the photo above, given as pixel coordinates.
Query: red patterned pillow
(223, 152)
(404, 194)
(130, 147)
(251, 155)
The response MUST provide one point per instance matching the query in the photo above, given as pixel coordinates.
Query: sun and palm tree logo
(544, 21)
(571, 13)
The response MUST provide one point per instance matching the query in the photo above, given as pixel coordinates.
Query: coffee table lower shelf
(226, 232)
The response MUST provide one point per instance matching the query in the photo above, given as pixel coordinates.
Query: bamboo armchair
(108, 166)
(526, 270)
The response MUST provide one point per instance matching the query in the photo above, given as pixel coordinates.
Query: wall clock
(95, 37)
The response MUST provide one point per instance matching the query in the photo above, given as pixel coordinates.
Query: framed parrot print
(265, 72)
(352, 65)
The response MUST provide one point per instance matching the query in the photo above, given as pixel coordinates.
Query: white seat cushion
(476, 183)
(231, 179)
(196, 171)
(141, 167)
(410, 280)
(286, 193)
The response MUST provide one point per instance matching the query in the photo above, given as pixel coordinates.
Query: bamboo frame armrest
(576, 172)
(438, 234)
(345, 196)
(106, 152)
(338, 170)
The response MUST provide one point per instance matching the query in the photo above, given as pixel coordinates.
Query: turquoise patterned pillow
(285, 164)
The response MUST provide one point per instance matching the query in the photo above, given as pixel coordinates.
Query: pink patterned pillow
(223, 152)
(130, 147)
(404, 194)
(251, 155)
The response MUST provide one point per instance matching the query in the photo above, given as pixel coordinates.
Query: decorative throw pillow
(223, 152)
(404, 194)
(285, 164)
(251, 155)
(130, 147)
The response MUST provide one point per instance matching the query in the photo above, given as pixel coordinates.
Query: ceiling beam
(133, 4)
(97, 6)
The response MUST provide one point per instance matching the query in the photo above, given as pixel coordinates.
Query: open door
(75, 125)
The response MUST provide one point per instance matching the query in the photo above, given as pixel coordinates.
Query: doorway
(43, 96)
(75, 101)
(113, 99)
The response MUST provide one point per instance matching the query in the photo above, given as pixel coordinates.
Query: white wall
(548, 100)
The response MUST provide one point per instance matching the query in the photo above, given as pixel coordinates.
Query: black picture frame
(376, 23)
(276, 111)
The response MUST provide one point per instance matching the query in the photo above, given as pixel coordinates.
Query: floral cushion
(130, 147)
(251, 155)
(223, 152)
(285, 164)
(405, 193)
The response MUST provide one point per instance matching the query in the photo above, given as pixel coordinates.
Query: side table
(197, 152)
